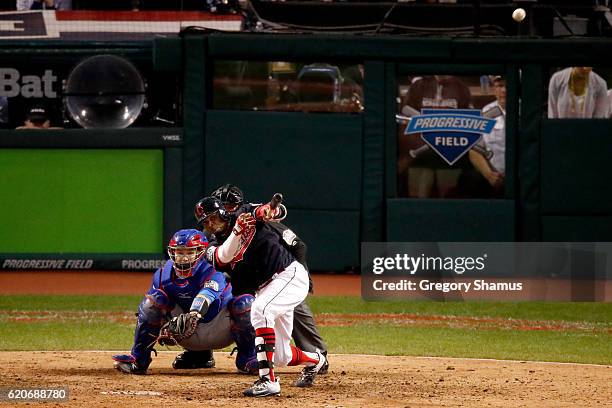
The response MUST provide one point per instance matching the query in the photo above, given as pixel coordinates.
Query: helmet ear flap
(212, 216)
(209, 206)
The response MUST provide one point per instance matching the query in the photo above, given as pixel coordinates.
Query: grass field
(565, 332)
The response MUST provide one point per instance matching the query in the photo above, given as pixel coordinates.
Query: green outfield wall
(58, 200)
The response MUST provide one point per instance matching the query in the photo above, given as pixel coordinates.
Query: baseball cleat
(194, 359)
(263, 387)
(127, 364)
(325, 369)
(308, 374)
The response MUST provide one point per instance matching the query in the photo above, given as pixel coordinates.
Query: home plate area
(353, 381)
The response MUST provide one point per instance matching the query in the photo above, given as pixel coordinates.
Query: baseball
(519, 14)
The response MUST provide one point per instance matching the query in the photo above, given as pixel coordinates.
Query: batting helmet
(213, 216)
(185, 249)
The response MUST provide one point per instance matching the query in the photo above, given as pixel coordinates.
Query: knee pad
(246, 359)
(154, 307)
(247, 365)
(242, 331)
(240, 310)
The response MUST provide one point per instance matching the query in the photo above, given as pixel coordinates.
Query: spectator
(353, 83)
(24, 5)
(577, 92)
(427, 175)
(4, 117)
(486, 179)
(50, 4)
(37, 118)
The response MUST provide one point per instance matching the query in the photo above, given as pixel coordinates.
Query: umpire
(305, 333)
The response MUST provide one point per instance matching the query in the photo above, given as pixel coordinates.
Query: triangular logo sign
(450, 132)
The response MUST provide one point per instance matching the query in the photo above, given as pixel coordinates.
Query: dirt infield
(354, 381)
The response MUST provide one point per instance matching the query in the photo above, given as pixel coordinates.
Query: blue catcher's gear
(126, 363)
(188, 284)
(243, 333)
(167, 292)
(185, 249)
(154, 306)
(152, 313)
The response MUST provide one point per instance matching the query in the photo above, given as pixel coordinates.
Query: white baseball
(519, 14)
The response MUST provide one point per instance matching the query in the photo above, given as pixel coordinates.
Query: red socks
(264, 347)
(299, 357)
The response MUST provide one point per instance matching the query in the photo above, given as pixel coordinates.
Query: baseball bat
(276, 200)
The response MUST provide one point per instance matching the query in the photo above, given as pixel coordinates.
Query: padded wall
(414, 220)
(576, 178)
(96, 201)
(315, 160)
(577, 228)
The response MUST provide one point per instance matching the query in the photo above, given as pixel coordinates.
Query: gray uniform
(213, 335)
(305, 333)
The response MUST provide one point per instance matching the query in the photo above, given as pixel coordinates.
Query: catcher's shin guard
(243, 333)
(152, 312)
(189, 359)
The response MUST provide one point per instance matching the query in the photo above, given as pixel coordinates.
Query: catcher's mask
(230, 196)
(185, 250)
(213, 216)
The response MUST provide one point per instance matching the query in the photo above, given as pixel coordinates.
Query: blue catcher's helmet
(185, 249)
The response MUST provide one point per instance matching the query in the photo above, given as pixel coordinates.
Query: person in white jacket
(577, 92)
(486, 179)
(44, 5)
(23, 5)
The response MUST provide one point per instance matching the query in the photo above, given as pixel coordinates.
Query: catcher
(190, 304)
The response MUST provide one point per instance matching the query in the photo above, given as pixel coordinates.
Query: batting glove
(245, 222)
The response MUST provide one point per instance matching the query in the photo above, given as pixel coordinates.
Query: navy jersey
(289, 239)
(264, 257)
(205, 281)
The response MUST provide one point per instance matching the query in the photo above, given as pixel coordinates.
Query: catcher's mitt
(178, 329)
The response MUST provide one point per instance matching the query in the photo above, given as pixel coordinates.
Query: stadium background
(337, 170)
(113, 197)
